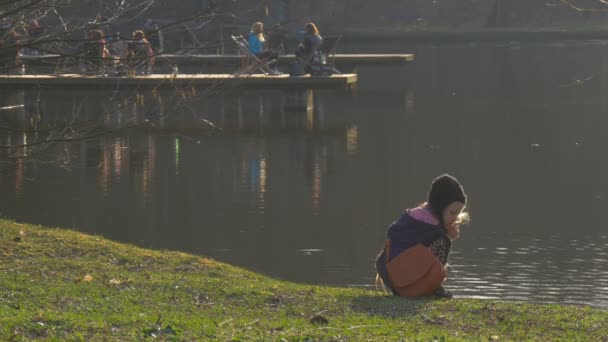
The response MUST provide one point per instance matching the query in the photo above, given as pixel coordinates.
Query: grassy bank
(62, 285)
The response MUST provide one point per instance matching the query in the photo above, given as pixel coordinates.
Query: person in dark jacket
(94, 52)
(434, 224)
(10, 51)
(152, 32)
(140, 54)
(309, 47)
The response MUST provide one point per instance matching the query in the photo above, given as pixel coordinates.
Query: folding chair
(252, 61)
(277, 40)
(322, 63)
(328, 48)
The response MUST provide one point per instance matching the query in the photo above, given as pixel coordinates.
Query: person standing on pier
(141, 53)
(414, 259)
(95, 54)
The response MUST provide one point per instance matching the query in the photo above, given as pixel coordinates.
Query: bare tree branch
(20, 9)
(580, 9)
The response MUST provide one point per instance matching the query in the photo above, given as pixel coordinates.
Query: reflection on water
(352, 138)
(105, 167)
(302, 185)
(176, 155)
(19, 174)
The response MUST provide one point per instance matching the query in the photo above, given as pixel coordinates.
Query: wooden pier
(169, 80)
(339, 59)
(235, 59)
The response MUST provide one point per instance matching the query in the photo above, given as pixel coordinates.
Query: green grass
(61, 285)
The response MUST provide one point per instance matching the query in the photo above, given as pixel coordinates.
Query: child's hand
(453, 231)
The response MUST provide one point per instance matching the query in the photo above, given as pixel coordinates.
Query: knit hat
(445, 190)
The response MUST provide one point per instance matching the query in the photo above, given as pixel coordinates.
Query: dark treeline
(340, 16)
(208, 23)
(352, 15)
(348, 16)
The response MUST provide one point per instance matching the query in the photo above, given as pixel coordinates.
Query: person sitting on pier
(34, 31)
(140, 53)
(94, 52)
(257, 45)
(308, 51)
(10, 52)
(414, 258)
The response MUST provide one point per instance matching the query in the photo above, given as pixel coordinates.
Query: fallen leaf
(115, 281)
(38, 317)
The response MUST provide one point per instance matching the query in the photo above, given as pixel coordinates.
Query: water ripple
(547, 269)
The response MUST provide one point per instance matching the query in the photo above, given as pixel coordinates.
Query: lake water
(307, 196)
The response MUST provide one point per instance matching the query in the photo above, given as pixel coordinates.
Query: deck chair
(277, 40)
(251, 61)
(328, 47)
(325, 65)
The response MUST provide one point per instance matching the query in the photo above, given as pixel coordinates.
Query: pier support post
(299, 100)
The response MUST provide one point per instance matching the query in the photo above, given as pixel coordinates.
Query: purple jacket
(407, 231)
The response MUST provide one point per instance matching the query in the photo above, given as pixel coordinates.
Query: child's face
(451, 212)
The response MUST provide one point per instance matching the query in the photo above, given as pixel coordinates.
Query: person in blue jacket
(435, 223)
(257, 43)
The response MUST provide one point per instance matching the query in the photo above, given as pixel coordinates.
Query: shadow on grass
(389, 306)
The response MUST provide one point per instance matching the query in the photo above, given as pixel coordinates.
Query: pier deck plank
(339, 58)
(255, 80)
